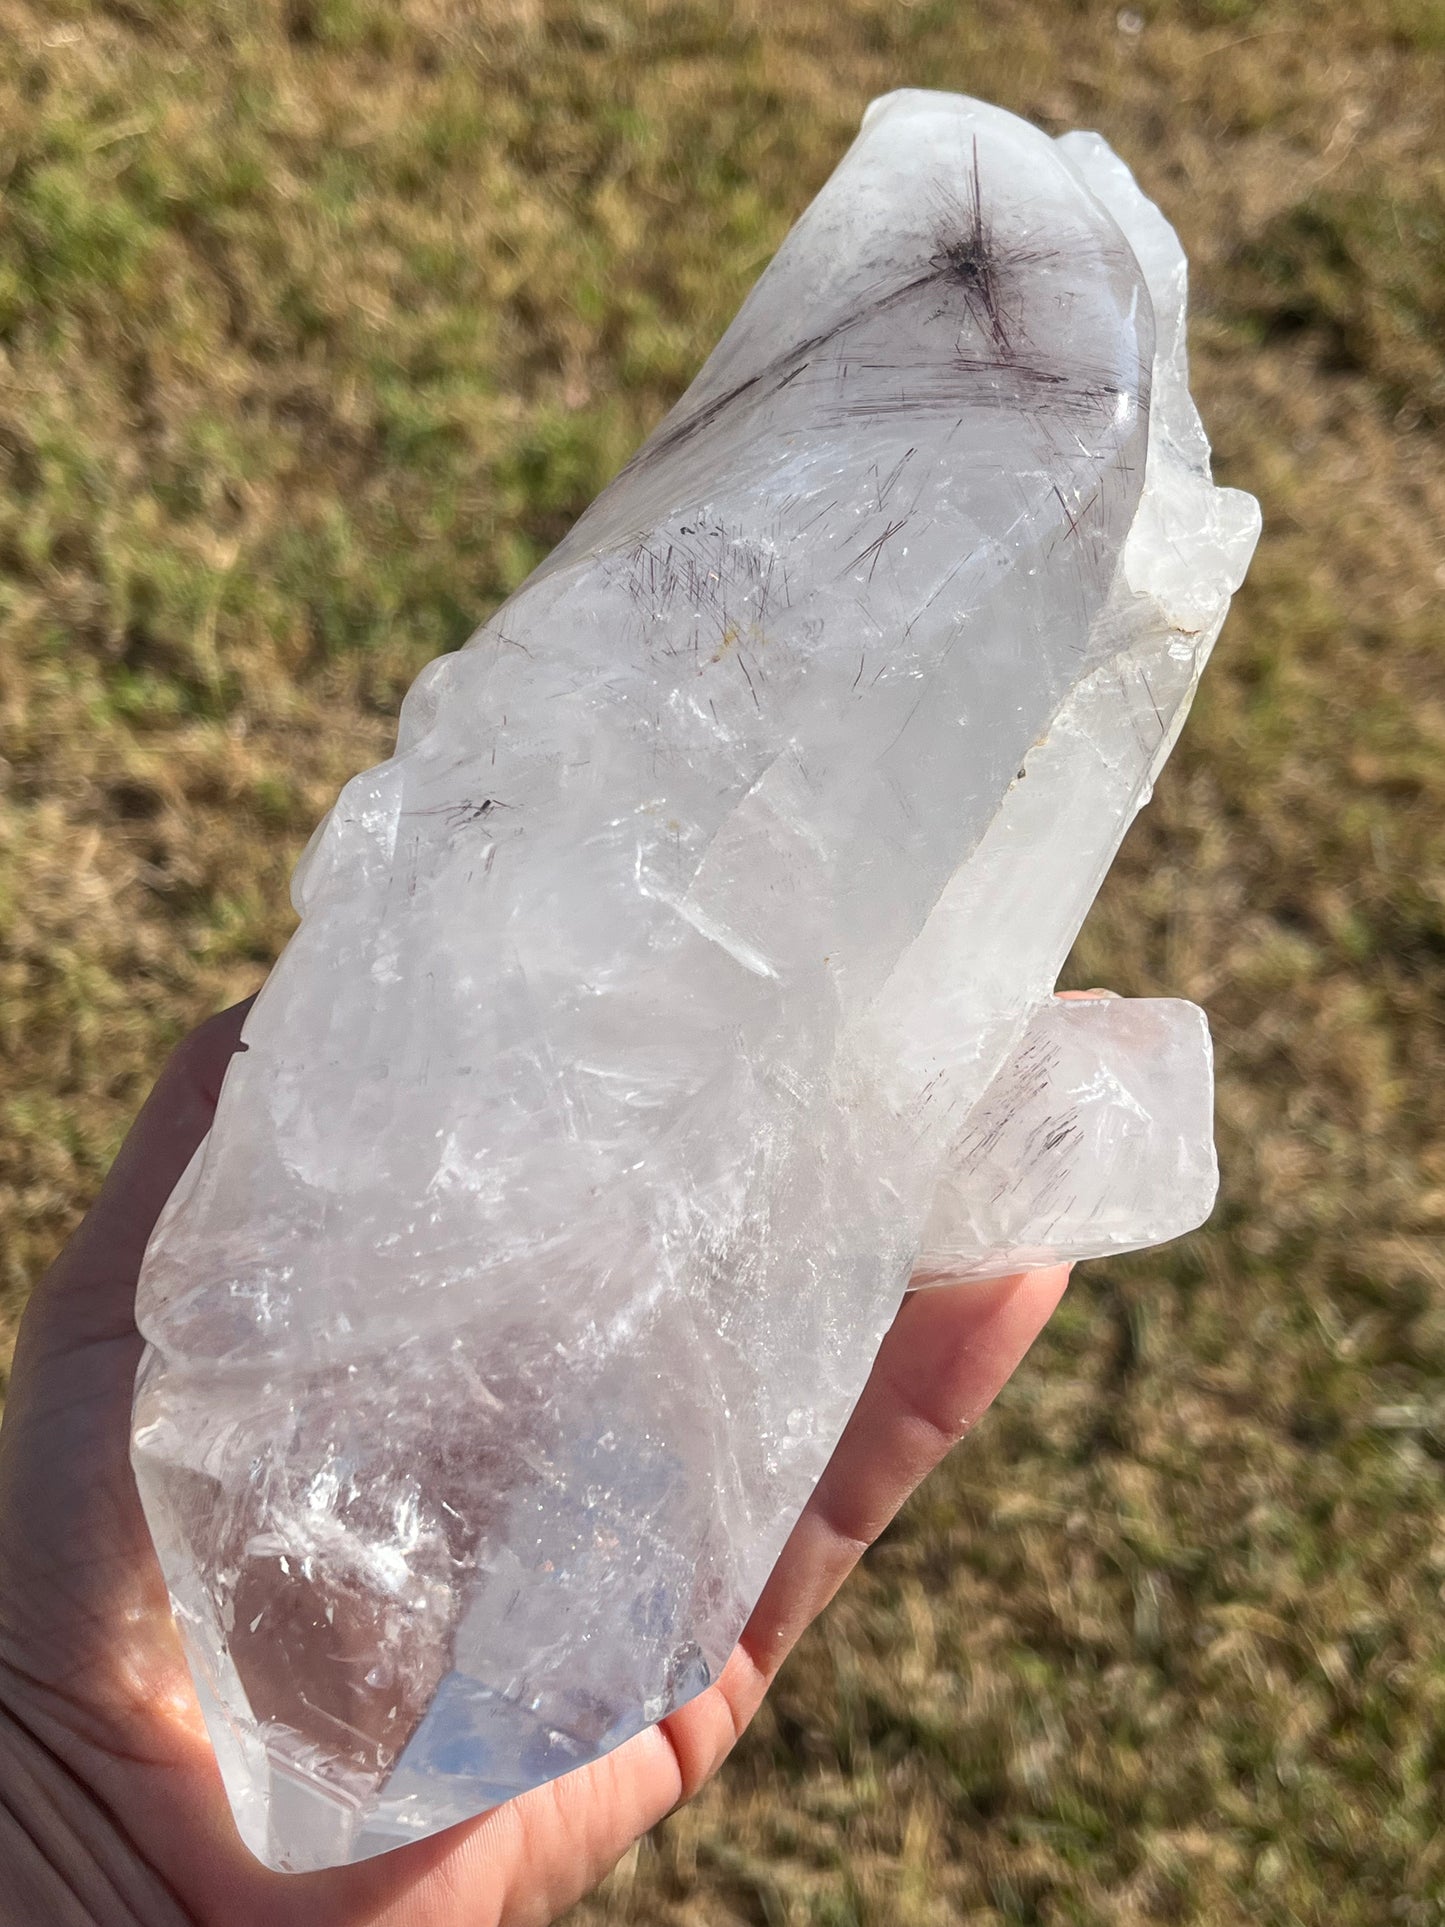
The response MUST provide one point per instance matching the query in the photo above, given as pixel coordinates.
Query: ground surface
(318, 324)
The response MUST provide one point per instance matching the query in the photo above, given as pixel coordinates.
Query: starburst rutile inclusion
(680, 985)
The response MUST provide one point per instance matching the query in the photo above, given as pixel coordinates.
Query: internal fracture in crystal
(683, 983)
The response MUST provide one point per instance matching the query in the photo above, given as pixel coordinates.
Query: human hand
(111, 1805)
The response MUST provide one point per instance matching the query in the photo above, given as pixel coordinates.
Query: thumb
(94, 1278)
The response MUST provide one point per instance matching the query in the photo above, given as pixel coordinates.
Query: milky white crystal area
(681, 980)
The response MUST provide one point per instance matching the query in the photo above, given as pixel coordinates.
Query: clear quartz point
(682, 978)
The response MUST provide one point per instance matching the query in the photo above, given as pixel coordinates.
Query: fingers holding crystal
(947, 1356)
(1095, 1137)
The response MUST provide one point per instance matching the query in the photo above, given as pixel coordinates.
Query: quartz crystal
(1094, 1137)
(681, 981)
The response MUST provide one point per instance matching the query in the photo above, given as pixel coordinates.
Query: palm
(91, 1669)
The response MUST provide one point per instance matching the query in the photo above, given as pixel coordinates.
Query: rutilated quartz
(680, 988)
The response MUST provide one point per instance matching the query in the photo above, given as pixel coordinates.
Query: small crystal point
(676, 985)
(1063, 1156)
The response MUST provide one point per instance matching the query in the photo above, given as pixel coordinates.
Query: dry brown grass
(319, 322)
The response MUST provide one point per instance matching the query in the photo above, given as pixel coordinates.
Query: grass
(319, 323)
